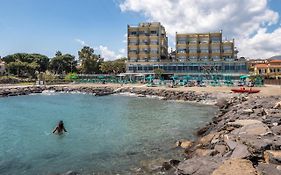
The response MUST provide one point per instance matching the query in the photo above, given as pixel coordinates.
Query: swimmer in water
(59, 128)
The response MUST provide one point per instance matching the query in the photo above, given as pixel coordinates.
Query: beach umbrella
(149, 78)
(186, 77)
(174, 77)
(101, 77)
(244, 76)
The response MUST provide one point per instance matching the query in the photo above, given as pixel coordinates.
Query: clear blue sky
(45, 26)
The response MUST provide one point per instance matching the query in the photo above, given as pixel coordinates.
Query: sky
(47, 26)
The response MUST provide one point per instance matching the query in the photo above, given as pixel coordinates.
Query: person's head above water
(59, 128)
(60, 123)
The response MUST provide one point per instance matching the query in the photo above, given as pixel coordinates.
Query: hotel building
(196, 54)
(147, 42)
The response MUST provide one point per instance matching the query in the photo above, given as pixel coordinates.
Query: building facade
(271, 68)
(204, 47)
(147, 42)
(196, 54)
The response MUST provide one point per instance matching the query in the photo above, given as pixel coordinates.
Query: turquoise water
(110, 134)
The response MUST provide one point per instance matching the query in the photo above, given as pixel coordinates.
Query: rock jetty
(244, 138)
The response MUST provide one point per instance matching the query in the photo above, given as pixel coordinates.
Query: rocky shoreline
(191, 96)
(243, 138)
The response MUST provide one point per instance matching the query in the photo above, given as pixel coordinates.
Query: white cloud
(81, 42)
(125, 38)
(245, 20)
(108, 54)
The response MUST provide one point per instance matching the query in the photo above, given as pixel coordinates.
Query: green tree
(159, 72)
(63, 63)
(90, 62)
(41, 60)
(115, 67)
(23, 64)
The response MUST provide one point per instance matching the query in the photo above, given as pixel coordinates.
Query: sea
(116, 134)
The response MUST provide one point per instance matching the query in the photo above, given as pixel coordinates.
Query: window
(215, 49)
(227, 49)
(133, 59)
(193, 50)
(204, 50)
(133, 51)
(215, 58)
(143, 33)
(204, 40)
(181, 50)
(143, 42)
(182, 58)
(204, 58)
(181, 40)
(193, 58)
(153, 33)
(215, 40)
(133, 33)
(144, 50)
(193, 40)
(133, 42)
(154, 42)
(154, 51)
(154, 59)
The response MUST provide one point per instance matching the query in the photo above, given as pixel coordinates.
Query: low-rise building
(271, 68)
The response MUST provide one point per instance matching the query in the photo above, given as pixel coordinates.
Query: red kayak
(243, 90)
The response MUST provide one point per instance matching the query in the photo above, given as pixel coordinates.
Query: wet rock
(166, 166)
(174, 162)
(221, 102)
(207, 139)
(271, 156)
(199, 165)
(153, 165)
(236, 166)
(184, 143)
(268, 169)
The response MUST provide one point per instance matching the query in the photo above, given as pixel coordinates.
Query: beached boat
(243, 90)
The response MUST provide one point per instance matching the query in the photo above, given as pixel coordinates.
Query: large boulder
(252, 129)
(244, 122)
(240, 151)
(199, 165)
(235, 166)
(208, 138)
(220, 149)
(272, 156)
(203, 152)
(184, 143)
(269, 169)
